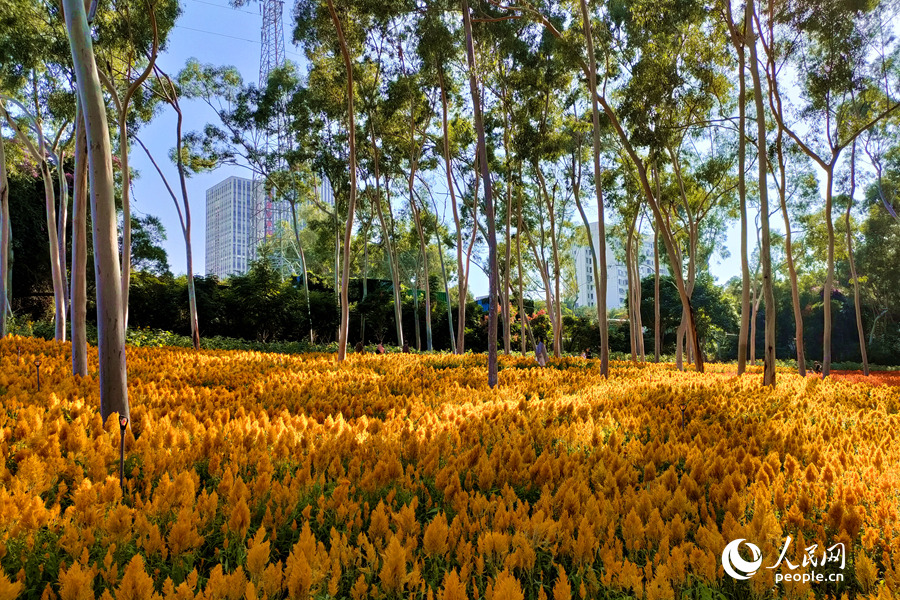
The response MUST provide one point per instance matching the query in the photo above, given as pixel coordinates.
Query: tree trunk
(594, 255)
(657, 328)
(555, 309)
(766, 254)
(789, 256)
(189, 252)
(522, 314)
(79, 248)
(464, 277)
(507, 324)
(59, 300)
(639, 324)
(423, 248)
(126, 216)
(110, 322)
(601, 223)
(445, 125)
(4, 239)
(348, 231)
(62, 220)
(859, 323)
(365, 281)
(488, 199)
(389, 246)
(738, 42)
(668, 238)
(416, 308)
(447, 293)
(296, 225)
(629, 271)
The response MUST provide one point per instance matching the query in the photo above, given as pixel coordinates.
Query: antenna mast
(271, 211)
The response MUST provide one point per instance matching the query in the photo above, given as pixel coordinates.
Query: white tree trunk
(110, 324)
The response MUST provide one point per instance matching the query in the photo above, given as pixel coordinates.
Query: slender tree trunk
(126, 215)
(601, 223)
(189, 251)
(56, 272)
(4, 240)
(668, 238)
(853, 275)
(789, 256)
(423, 248)
(110, 324)
(754, 317)
(766, 254)
(447, 292)
(389, 246)
(593, 251)
(416, 307)
(657, 327)
(458, 342)
(639, 323)
(519, 229)
(829, 276)
(79, 248)
(507, 324)
(556, 313)
(348, 232)
(488, 199)
(296, 225)
(62, 220)
(738, 42)
(464, 277)
(365, 281)
(629, 260)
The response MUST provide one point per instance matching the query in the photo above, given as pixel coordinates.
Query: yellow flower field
(266, 476)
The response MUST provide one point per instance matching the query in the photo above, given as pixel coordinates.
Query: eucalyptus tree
(411, 95)
(33, 44)
(840, 78)
(478, 120)
(854, 278)
(598, 261)
(167, 91)
(737, 36)
(664, 60)
(437, 48)
(50, 132)
(703, 181)
(376, 111)
(328, 31)
(78, 289)
(110, 320)
(129, 45)
(4, 237)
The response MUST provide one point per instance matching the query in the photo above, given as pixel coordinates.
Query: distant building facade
(240, 215)
(616, 272)
(230, 224)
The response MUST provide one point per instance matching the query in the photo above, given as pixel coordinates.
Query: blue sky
(213, 32)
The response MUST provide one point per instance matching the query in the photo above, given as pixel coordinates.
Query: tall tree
(110, 321)
(493, 273)
(166, 90)
(828, 44)
(599, 260)
(4, 238)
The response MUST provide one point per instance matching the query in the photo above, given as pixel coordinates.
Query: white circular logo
(735, 565)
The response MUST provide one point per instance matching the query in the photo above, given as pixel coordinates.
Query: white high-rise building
(231, 206)
(616, 272)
